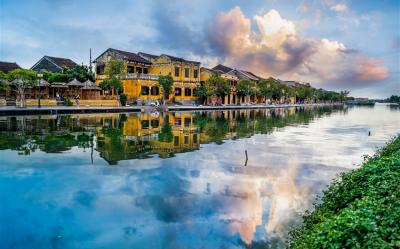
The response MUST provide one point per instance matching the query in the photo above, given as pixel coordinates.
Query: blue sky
(334, 44)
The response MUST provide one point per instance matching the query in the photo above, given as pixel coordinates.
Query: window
(186, 139)
(145, 90)
(155, 90)
(178, 121)
(187, 122)
(145, 70)
(188, 92)
(138, 69)
(145, 124)
(195, 138)
(186, 72)
(155, 123)
(176, 71)
(131, 69)
(176, 140)
(178, 91)
(100, 69)
(195, 73)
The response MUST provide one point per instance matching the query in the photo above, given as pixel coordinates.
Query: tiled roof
(252, 74)
(148, 56)
(5, 67)
(173, 58)
(62, 62)
(131, 56)
(222, 68)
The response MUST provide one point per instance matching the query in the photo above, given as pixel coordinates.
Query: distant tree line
(393, 99)
(269, 89)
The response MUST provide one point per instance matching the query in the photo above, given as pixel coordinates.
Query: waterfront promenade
(52, 110)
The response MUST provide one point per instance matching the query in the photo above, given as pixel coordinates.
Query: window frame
(195, 73)
(178, 89)
(190, 91)
(142, 90)
(187, 72)
(177, 71)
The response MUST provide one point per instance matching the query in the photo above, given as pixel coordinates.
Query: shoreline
(54, 110)
(358, 209)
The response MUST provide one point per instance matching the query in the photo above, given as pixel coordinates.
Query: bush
(123, 98)
(68, 102)
(360, 209)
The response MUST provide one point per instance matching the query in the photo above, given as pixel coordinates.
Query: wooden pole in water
(247, 158)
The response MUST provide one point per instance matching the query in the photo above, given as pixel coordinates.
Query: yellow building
(143, 70)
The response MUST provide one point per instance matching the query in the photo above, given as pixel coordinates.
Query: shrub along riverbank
(360, 209)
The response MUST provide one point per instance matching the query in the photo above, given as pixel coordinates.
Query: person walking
(77, 99)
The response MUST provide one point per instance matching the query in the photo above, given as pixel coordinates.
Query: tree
(343, 95)
(80, 73)
(3, 82)
(246, 88)
(165, 82)
(304, 92)
(112, 84)
(394, 99)
(264, 88)
(202, 93)
(115, 68)
(22, 78)
(217, 86)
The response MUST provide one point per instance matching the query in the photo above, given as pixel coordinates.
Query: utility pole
(90, 60)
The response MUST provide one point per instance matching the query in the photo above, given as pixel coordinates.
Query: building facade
(140, 82)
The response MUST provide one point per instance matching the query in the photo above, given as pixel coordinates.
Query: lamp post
(40, 76)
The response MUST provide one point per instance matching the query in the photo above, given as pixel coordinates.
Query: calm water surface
(176, 180)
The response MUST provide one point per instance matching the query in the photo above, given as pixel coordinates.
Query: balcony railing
(142, 76)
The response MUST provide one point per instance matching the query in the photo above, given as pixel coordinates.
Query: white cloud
(340, 7)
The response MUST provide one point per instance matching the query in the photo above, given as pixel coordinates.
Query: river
(177, 180)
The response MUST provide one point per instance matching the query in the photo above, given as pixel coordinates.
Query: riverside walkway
(53, 110)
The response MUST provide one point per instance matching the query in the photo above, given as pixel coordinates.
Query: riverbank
(13, 110)
(360, 209)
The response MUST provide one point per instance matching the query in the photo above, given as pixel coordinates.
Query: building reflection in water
(134, 136)
(255, 203)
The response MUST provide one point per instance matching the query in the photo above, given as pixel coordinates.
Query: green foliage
(68, 102)
(80, 73)
(3, 82)
(304, 92)
(166, 134)
(123, 98)
(246, 88)
(25, 77)
(166, 82)
(22, 78)
(115, 69)
(112, 83)
(216, 86)
(360, 209)
(201, 92)
(394, 99)
(264, 88)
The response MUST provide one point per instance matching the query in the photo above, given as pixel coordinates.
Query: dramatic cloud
(277, 49)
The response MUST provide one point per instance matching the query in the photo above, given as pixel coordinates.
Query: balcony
(142, 76)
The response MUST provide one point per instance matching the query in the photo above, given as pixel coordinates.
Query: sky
(332, 44)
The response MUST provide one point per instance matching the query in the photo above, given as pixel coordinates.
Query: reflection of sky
(199, 199)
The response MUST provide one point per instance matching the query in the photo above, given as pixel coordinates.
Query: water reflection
(138, 136)
(180, 180)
